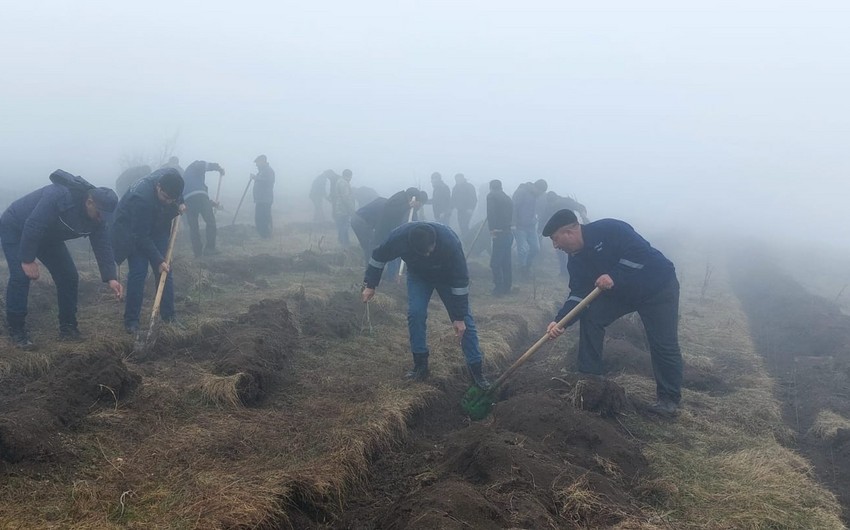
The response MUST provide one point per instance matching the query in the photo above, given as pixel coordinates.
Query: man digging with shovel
(435, 260)
(634, 276)
(140, 234)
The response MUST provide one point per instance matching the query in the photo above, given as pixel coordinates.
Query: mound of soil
(537, 462)
(256, 344)
(35, 412)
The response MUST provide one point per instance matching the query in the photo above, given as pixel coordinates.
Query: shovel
(477, 402)
(475, 239)
(240, 200)
(142, 345)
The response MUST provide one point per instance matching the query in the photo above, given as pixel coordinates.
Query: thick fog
(732, 115)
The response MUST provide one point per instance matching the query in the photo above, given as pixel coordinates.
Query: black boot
(18, 331)
(419, 372)
(70, 333)
(478, 376)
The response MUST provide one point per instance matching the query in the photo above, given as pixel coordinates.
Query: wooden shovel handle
(545, 338)
(162, 277)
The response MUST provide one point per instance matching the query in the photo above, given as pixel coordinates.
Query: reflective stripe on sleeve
(376, 264)
(631, 264)
(574, 299)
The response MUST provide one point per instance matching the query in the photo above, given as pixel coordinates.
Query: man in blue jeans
(140, 234)
(609, 254)
(37, 226)
(435, 261)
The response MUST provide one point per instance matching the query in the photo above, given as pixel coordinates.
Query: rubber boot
(18, 331)
(478, 377)
(419, 372)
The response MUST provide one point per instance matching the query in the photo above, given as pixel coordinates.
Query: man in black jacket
(441, 201)
(435, 259)
(263, 196)
(140, 234)
(37, 226)
(464, 200)
(609, 254)
(500, 211)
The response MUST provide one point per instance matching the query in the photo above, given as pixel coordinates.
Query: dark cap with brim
(105, 200)
(560, 218)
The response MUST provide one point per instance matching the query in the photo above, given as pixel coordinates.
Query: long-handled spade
(477, 402)
(475, 239)
(240, 200)
(142, 345)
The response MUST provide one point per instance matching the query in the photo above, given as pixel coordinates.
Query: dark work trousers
(500, 261)
(365, 234)
(137, 265)
(660, 316)
(263, 219)
(200, 205)
(57, 260)
(463, 217)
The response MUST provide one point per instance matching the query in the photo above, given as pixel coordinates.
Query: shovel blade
(477, 403)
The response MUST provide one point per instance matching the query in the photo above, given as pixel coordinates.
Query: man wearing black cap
(263, 196)
(37, 226)
(609, 254)
(140, 234)
(435, 261)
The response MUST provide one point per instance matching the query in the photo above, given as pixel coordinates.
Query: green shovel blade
(476, 403)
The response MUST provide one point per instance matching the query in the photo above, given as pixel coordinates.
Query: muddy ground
(552, 454)
(805, 341)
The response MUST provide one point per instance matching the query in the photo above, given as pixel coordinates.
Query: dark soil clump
(35, 412)
(537, 462)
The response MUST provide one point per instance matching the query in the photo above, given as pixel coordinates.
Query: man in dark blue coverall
(37, 226)
(609, 254)
(435, 260)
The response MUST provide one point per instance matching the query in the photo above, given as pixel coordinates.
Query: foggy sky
(733, 115)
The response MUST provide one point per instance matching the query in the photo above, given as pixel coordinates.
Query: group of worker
(607, 254)
(136, 229)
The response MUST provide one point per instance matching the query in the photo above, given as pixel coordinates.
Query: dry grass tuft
(579, 504)
(221, 391)
(759, 487)
(32, 364)
(827, 423)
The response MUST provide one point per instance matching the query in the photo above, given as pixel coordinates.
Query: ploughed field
(279, 403)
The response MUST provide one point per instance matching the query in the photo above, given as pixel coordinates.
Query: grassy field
(269, 406)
